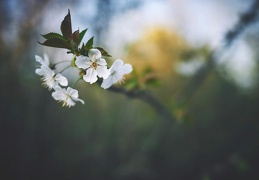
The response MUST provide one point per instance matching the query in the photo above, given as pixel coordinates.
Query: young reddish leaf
(75, 37)
(52, 35)
(66, 27)
(81, 35)
(104, 53)
(89, 44)
(56, 42)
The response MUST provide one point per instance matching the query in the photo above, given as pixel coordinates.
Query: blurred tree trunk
(13, 97)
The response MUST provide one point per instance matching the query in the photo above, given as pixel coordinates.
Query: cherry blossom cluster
(92, 67)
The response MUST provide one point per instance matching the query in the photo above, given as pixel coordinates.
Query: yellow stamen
(94, 65)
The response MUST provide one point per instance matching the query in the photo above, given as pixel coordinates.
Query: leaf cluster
(147, 78)
(70, 40)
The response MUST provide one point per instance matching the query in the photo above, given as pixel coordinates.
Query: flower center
(94, 65)
(66, 101)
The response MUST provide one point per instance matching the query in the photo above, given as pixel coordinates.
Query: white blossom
(49, 78)
(67, 96)
(94, 66)
(43, 61)
(117, 71)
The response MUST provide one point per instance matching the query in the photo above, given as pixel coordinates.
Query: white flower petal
(67, 96)
(59, 95)
(39, 59)
(117, 65)
(44, 70)
(126, 69)
(48, 70)
(94, 54)
(121, 68)
(102, 71)
(40, 72)
(74, 95)
(48, 77)
(49, 82)
(46, 59)
(91, 76)
(61, 79)
(83, 62)
(69, 102)
(44, 62)
(107, 82)
(117, 71)
(117, 78)
(102, 62)
(72, 92)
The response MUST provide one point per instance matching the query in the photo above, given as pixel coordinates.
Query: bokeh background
(199, 59)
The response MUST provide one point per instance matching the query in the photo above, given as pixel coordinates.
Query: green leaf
(81, 35)
(52, 35)
(132, 83)
(83, 51)
(104, 53)
(89, 44)
(66, 27)
(147, 71)
(152, 81)
(83, 46)
(75, 37)
(56, 42)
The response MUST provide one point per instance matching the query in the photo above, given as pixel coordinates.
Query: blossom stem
(77, 81)
(65, 69)
(60, 62)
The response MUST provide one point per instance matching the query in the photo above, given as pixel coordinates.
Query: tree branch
(148, 98)
(246, 19)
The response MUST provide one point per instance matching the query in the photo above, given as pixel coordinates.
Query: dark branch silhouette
(246, 19)
(146, 97)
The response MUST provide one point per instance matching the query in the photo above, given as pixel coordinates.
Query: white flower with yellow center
(67, 96)
(50, 79)
(94, 66)
(117, 71)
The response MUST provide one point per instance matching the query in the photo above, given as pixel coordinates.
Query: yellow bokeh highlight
(160, 48)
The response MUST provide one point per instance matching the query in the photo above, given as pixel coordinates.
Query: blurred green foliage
(114, 137)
